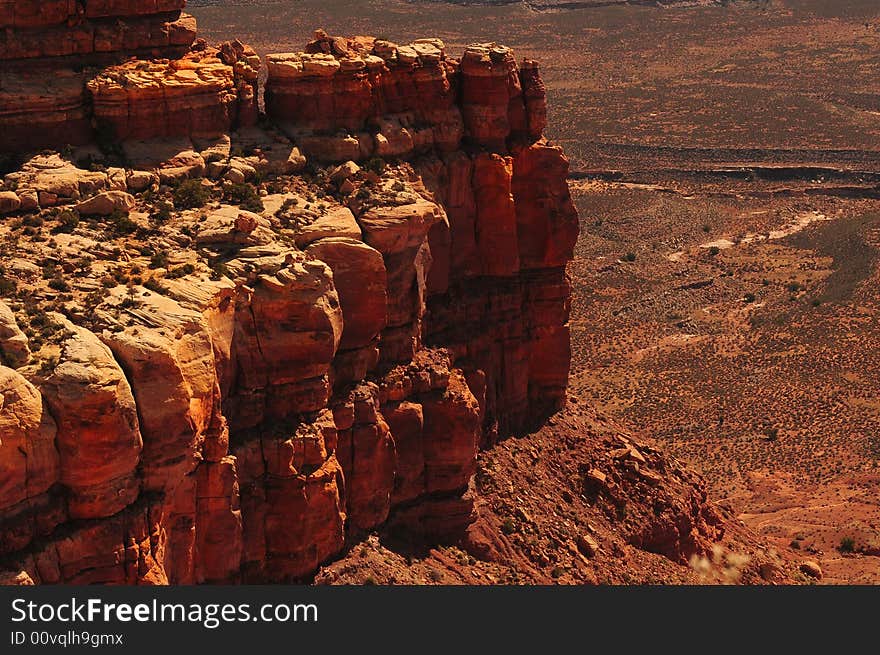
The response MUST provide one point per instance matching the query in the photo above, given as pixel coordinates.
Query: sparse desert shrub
(121, 223)
(94, 299)
(154, 285)
(749, 298)
(105, 137)
(161, 213)
(190, 194)
(130, 299)
(218, 270)
(847, 545)
(68, 220)
(48, 365)
(159, 260)
(245, 196)
(289, 204)
(375, 165)
(180, 271)
(7, 286)
(629, 257)
(59, 284)
(49, 270)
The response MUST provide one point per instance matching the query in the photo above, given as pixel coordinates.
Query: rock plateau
(203, 383)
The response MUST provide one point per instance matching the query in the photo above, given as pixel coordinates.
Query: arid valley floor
(726, 166)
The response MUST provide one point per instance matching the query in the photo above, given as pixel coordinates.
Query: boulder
(141, 180)
(9, 202)
(360, 280)
(811, 569)
(56, 181)
(234, 226)
(14, 350)
(338, 222)
(107, 203)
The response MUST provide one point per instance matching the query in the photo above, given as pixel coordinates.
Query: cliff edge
(231, 341)
(234, 343)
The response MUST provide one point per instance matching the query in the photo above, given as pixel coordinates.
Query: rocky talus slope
(232, 345)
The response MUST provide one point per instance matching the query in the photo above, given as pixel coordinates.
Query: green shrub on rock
(191, 194)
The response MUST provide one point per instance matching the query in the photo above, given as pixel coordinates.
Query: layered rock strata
(206, 93)
(316, 370)
(495, 290)
(356, 98)
(54, 92)
(32, 29)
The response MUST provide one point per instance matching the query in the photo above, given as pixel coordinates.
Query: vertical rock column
(29, 464)
(99, 438)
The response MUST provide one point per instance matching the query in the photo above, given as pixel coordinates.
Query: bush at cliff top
(190, 194)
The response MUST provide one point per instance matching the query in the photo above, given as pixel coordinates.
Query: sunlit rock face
(321, 368)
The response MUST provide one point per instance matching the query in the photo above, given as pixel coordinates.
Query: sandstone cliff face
(499, 252)
(54, 93)
(56, 28)
(206, 93)
(98, 439)
(354, 98)
(295, 375)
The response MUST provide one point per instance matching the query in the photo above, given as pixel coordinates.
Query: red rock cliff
(342, 371)
(54, 93)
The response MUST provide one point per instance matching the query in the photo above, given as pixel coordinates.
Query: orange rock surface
(316, 369)
(206, 93)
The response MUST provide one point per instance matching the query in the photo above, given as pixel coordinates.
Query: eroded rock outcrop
(29, 464)
(98, 439)
(54, 91)
(36, 28)
(14, 350)
(500, 297)
(259, 378)
(206, 93)
(357, 98)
